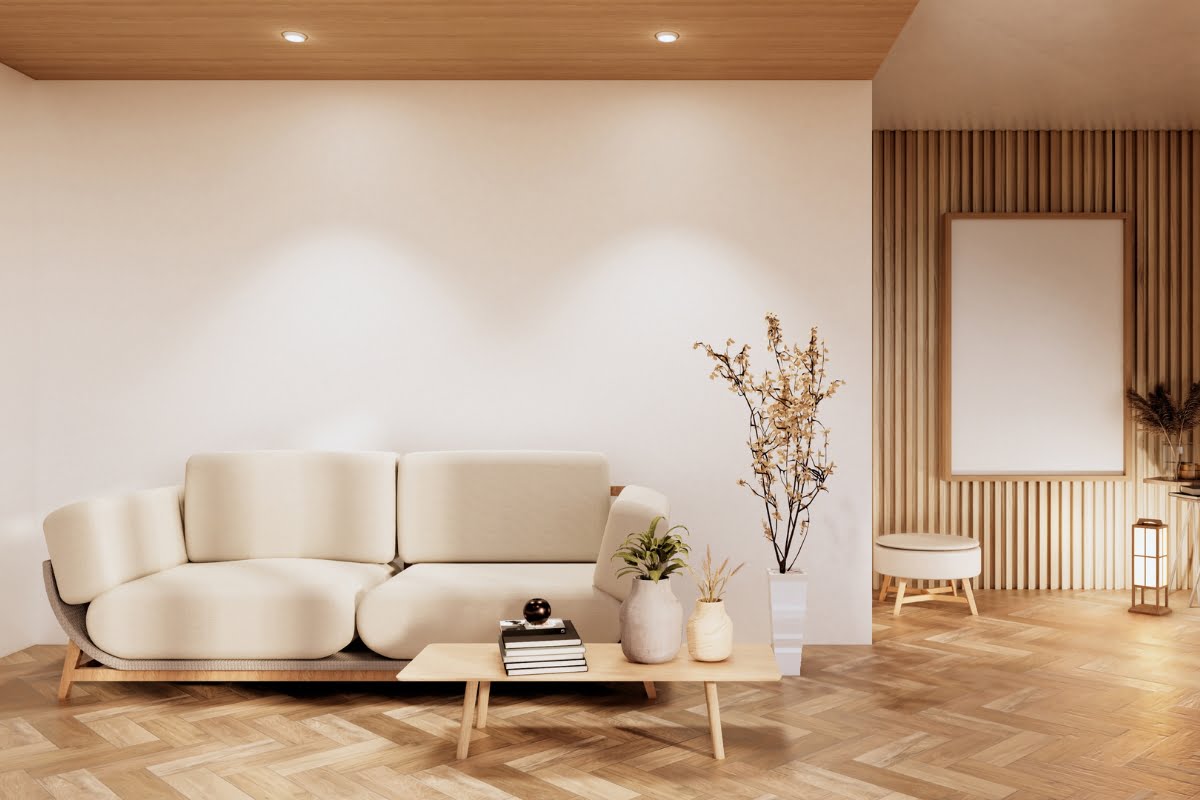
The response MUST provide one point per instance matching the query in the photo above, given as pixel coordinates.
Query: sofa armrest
(97, 544)
(633, 510)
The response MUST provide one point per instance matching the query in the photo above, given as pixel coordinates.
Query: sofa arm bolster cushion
(632, 511)
(101, 543)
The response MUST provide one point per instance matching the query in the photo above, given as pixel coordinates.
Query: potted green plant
(789, 459)
(651, 617)
(709, 629)
(1158, 413)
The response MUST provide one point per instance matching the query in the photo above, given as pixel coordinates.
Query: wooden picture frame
(945, 350)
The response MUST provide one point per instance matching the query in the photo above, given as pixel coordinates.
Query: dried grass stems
(1157, 411)
(789, 446)
(711, 580)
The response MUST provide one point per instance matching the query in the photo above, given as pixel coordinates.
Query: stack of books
(546, 649)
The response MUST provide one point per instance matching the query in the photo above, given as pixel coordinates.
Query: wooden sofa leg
(70, 662)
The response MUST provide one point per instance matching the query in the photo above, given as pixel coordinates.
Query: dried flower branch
(711, 580)
(789, 446)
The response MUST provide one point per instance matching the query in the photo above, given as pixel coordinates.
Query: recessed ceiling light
(666, 37)
(295, 36)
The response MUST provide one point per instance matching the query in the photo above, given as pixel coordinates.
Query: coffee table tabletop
(478, 665)
(606, 663)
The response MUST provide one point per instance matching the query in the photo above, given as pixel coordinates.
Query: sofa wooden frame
(77, 669)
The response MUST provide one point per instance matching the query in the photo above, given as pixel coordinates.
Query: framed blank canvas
(1035, 341)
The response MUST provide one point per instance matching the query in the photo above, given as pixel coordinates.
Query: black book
(517, 639)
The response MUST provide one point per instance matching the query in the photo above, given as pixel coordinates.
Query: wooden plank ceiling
(449, 39)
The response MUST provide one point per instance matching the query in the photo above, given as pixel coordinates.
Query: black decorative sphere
(537, 611)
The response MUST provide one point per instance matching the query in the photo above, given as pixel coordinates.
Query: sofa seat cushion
(261, 608)
(429, 603)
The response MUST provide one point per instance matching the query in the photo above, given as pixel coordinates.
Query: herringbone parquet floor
(1046, 695)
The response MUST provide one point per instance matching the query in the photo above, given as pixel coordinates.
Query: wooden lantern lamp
(1150, 567)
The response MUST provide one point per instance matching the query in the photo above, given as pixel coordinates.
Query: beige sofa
(334, 566)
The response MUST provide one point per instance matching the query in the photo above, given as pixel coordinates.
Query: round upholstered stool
(927, 556)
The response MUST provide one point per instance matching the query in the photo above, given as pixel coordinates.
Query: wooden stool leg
(954, 588)
(651, 692)
(884, 585)
(70, 662)
(714, 720)
(468, 718)
(966, 582)
(485, 693)
(901, 584)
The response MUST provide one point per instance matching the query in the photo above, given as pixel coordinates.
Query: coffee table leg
(651, 692)
(485, 693)
(714, 719)
(468, 717)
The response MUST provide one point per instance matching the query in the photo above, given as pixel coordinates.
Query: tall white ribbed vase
(788, 593)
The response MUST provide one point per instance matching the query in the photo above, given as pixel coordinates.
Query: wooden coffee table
(479, 665)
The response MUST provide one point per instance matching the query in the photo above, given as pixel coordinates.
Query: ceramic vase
(651, 622)
(788, 593)
(710, 632)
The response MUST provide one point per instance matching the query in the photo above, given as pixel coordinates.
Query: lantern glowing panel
(1150, 567)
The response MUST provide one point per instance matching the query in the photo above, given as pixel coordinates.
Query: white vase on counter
(710, 632)
(788, 594)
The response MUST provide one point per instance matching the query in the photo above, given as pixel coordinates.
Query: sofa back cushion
(290, 504)
(502, 506)
(99, 544)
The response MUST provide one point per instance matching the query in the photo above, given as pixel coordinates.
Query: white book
(536, 653)
(574, 662)
(547, 670)
(554, 624)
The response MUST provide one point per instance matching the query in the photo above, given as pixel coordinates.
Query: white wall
(20, 578)
(457, 265)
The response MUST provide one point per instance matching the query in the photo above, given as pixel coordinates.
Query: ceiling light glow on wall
(295, 36)
(666, 37)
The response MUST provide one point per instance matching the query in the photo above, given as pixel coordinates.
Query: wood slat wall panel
(1034, 534)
